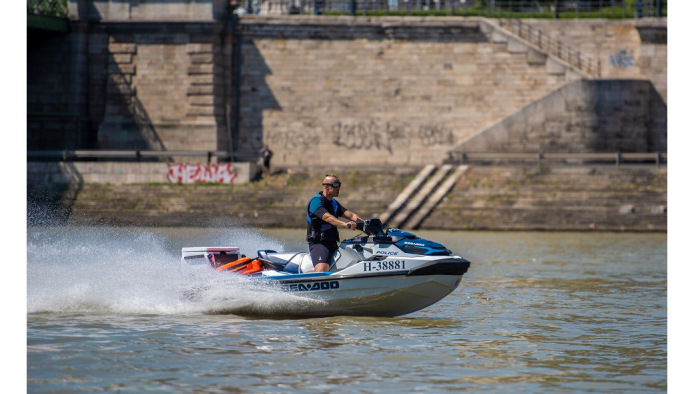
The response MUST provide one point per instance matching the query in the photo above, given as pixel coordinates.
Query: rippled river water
(537, 312)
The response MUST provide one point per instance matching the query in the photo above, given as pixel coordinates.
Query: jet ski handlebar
(371, 227)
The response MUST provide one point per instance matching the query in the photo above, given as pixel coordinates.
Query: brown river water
(537, 312)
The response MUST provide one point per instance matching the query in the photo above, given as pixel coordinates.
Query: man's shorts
(322, 252)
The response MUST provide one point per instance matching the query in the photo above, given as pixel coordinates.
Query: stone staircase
(436, 196)
(419, 198)
(551, 46)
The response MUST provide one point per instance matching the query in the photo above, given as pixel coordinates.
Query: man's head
(331, 186)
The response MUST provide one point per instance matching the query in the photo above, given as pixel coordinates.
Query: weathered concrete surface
(590, 198)
(583, 116)
(147, 10)
(627, 49)
(123, 173)
(395, 91)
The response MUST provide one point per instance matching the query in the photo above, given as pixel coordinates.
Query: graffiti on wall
(294, 139)
(387, 136)
(368, 135)
(202, 173)
(622, 59)
(435, 135)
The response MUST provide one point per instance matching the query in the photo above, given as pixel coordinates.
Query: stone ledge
(117, 173)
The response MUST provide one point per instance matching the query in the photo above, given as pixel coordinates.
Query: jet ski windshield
(372, 227)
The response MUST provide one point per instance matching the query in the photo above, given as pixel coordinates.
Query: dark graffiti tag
(367, 135)
(294, 139)
(387, 136)
(435, 135)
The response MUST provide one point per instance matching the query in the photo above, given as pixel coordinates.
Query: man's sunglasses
(334, 184)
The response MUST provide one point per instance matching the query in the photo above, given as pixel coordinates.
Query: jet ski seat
(294, 263)
(344, 257)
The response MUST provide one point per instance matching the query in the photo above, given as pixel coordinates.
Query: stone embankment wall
(582, 117)
(627, 49)
(602, 198)
(134, 75)
(394, 92)
(400, 91)
(126, 173)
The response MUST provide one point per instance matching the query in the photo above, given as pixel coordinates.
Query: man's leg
(320, 256)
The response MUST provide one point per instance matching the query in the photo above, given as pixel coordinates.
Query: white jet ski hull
(389, 273)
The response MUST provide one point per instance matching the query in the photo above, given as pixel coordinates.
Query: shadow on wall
(87, 11)
(74, 82)
(255, 95)
(126, 123)
(138, 103)
(584, 116)
(57, 73)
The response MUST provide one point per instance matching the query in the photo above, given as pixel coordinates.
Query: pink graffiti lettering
(201, 173)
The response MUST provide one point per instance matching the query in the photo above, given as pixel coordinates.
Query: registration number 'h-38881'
(384, 265)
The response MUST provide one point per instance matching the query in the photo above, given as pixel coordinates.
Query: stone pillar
(147, 10)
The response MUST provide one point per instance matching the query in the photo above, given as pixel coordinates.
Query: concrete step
(421, 195)
(403, 197)
(425, 209)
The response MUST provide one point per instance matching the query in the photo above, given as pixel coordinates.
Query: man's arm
(328, 218)
(352, 216)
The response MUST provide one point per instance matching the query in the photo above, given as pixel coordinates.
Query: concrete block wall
(394, 91)
(57, 70)
(167, 86)
(398, 91)
(484, 198)
(528, 198)
(114, 173)
(583, 116)
(627, 49)
(147, 10)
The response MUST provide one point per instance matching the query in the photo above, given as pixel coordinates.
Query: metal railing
(618, 158)
(131, 155)
(554, 47)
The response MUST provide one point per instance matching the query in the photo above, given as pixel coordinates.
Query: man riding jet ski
(323, 213)
(381, 273)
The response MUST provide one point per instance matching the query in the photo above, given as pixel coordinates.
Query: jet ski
(379, 273)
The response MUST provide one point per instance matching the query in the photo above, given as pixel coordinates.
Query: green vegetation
(541, 9)
(55, 8)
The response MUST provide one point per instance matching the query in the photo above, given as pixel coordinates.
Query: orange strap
(253, 267)
(243, 266)
(235, 264)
